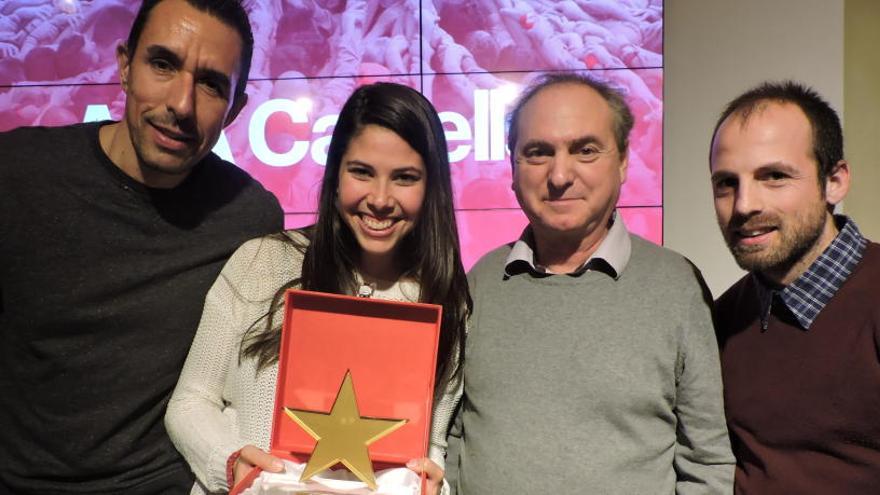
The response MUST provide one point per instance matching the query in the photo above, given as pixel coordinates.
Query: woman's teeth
(377, 224)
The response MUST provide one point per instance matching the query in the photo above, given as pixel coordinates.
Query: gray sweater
(592, 385)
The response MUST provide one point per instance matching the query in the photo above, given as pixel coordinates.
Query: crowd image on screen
(469, 57)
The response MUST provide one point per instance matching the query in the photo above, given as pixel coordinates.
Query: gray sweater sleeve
(703, 460)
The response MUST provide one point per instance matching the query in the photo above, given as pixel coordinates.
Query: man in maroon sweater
(800, 334)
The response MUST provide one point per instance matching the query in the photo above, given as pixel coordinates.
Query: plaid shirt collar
(806, 296)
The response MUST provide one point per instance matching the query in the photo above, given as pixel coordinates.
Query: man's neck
(115, 141)
(560, 253)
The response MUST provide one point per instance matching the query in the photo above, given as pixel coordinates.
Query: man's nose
(561, 173)
(749, 199)
(181, 97)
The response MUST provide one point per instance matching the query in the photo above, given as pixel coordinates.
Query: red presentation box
(390, 349)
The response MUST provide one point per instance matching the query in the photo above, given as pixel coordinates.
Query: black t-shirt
(102, 283)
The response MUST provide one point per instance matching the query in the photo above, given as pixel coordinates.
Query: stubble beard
(797, 237)
(149, 155)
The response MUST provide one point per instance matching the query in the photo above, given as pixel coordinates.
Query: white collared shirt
(610, 257)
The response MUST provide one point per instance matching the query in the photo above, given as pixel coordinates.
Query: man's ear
(513, 168)
(238, 103)
(837, 183)
(123, 64)
(624, 165)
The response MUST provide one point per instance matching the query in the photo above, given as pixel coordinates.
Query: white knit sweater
(223, 403)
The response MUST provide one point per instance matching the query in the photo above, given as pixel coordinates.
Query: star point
(343, 435)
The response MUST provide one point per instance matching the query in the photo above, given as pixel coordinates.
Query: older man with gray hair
(592, 364)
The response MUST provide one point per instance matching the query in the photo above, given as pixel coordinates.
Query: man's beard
(796, 236)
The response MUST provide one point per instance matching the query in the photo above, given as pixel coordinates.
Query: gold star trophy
(343, 435)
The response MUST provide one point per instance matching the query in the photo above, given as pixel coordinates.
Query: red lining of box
(390, 348)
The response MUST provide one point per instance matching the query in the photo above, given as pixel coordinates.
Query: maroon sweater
(803, 406)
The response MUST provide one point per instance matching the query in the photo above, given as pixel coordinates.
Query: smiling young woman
(385, 220)
(381, 191)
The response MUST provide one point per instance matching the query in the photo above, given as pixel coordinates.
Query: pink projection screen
(471, 58)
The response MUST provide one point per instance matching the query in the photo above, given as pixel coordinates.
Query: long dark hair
(429, 253)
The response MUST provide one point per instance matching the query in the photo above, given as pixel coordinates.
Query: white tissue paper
(395, 481)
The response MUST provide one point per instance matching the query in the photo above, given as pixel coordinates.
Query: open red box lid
(390, 348)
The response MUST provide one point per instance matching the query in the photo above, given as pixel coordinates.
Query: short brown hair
(827, 132)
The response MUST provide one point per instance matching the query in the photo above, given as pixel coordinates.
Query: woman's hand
(432, 471)
(252, 457)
